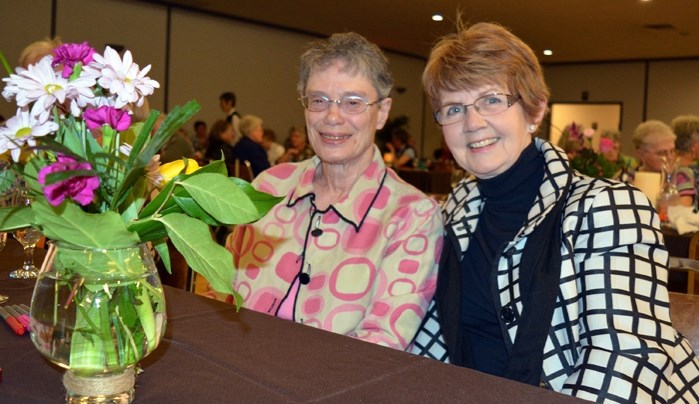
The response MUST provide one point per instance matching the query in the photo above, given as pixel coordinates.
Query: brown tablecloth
(211, 353)
(429, 182)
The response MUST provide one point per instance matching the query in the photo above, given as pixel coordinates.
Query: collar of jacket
(464, 205)
(369, 185)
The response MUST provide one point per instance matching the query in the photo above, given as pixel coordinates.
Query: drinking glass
(28, 237)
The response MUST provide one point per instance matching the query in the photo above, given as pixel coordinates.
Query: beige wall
(210, 54)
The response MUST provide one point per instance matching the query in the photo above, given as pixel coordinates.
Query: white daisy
(42, 85)
(23, 129)
(122, 77)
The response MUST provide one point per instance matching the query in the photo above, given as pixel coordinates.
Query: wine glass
(28, 237)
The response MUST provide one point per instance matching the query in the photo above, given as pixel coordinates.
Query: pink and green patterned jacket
(364, 267)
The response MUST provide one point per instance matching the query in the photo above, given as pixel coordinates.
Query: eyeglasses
(489, 104)
(663, 153)
(352, 104)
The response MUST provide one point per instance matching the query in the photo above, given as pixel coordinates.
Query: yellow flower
(173, 168)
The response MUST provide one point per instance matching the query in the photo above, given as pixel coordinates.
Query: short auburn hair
(482, 54)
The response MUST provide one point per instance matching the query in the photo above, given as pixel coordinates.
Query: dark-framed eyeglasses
(489, 104)
(352, 104)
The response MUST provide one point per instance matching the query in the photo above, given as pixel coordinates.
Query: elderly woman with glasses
(547, 277)
(351, 248)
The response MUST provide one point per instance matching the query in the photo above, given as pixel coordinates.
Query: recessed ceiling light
(437, 17)
(548, 52)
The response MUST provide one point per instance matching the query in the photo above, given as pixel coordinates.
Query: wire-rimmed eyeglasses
(352, 104)
(489, 104)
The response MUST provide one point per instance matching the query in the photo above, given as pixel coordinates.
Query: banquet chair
(243, 171)
(684, 311)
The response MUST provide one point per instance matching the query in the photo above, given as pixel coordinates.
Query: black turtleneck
(508, 199)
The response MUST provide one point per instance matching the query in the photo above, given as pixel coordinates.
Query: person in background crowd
(403, 153)
(547, 276)
(297, 148)
(686, 128)
(351, 249)
(654, 142)
(227, 102)
(36, 51)
(269, 143)
(249, 147)
(220, 138)
(200, 140)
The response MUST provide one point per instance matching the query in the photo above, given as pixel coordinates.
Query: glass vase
(97, 312)
(668, 196)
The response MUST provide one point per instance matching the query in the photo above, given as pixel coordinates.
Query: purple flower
(117, 119)
(81, 189)
(70, 54)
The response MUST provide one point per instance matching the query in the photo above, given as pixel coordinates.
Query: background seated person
(269, 143)
(655, 143)
(351, 249)
(220, 138)
(297, 147)
(403, 153)
(249, 146)
(686, 128)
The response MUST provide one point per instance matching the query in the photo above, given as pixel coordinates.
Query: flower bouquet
(98, 192)
(578, 145)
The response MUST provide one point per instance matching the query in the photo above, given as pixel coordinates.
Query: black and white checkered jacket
(610, 337)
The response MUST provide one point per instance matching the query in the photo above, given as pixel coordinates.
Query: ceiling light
(437, 17)
(548, 52)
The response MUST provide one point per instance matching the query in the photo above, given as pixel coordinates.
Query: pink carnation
(81, 189)
(70, 54)
(606, 144)
(117, 119)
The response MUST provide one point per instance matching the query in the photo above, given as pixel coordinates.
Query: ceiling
(576, 30)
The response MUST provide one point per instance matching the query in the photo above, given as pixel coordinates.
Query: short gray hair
(248, 123)
(650, 132)
(357, 54)
(686, 127)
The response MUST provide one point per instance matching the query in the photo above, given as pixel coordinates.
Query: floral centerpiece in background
(577, 142)
(96, 185)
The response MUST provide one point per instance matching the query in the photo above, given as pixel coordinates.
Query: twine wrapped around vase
(101, 386)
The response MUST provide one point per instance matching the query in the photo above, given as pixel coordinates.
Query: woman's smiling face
(338, 137)
(486, 146)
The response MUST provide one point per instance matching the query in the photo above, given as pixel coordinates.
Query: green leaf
(31, 173)
(16, 218)
(262, 200)
(191, 208)
(64, 175)
(69, 223)
(164, 254)
(193, 240)
(223, 200)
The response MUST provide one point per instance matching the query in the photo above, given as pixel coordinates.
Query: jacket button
(507, 314)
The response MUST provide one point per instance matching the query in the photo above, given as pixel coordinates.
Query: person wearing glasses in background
(351, 248)
(655, 143)
(547, 277)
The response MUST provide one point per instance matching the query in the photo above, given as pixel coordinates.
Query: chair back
(684, 312)
(243, 170)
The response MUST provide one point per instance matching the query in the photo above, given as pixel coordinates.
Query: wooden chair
(243, 170)
(687, 267)
(684, 312)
